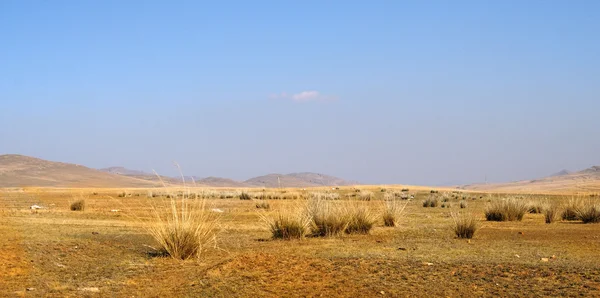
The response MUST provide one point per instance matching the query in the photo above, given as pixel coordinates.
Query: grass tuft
(550, 213)
(431, 201)
(511, 209)
(288, 224)
(78, 205)
(391, 212)
(589, 212)
(464, 226)
(360, 219)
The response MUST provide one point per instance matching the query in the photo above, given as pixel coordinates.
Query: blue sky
(412, 92)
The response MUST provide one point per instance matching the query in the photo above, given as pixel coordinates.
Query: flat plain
(104, 251)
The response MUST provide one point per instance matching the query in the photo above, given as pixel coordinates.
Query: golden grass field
(56, 252)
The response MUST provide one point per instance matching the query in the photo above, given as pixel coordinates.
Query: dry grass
(550, 213)
(245, 197)
(288, 224)
(327, 218)
(184, 228)
(431, 201)
(78, 205)
(263, 205)
(392, 211)
(361, 218)
(464, 225)
(463, 204)
(510, 209)
(589, 212)
(571, 209)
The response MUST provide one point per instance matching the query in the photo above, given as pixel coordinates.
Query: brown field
(56, 252)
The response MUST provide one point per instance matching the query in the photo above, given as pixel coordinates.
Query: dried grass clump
(536, 207)
(184, 228)
(321, 195)
(431, 201)
(391, 212)
(511, 209)
(360, 219)
(463, 204)
(366, 196)
(464, 226)
(327, 218)
(589, 212)
(571, 208)
(78, 205)
(263, 205)
(288, 224)
(550, 213)
(245, 197)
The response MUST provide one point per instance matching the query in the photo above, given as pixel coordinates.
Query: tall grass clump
(78, 205)
(550, 213)
(589, 212)
(361, 218)
(391, 212)
(463, 204)
(571, 209)
(184, 228)
(431, 201)
(244, 196)
(288, 224)
(510, 209)
(328, 218)
(464, 226)
(536, 207)
(366, 196)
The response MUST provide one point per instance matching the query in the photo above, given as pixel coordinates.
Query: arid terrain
(106, 251)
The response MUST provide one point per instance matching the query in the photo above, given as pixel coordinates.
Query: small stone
(427, 263)
(544, 260)
(382, 293)
(30, 289)
(521, 233)
(95, 233)
(518, 256)
(401, 248)
(89, 289)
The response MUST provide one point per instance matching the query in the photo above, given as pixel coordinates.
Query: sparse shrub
(263, 205)
(570, 210)
(287, 225)
(463, 204)
(589, 212)
(391, 212)
(431, 201)
(244, 196)
(327, 218)
(183, 228)
(465, 226)
(78, 205)
(510, 209)
(550, 213)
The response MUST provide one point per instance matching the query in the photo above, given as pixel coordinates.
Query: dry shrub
(327, 218)
(510, 209)
(431, 201)
(361, 219)
(463, 204)
(184, 228)
(589, 212)
(288, 224)
(78, 205)
(391, 212)
(571, 208)
(244, 196)
(464, 226)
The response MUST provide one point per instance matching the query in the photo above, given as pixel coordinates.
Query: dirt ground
(55, 252)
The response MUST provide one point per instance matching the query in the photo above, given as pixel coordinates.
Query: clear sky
(419, 92)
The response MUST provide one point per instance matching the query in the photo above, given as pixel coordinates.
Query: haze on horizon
(410, 92)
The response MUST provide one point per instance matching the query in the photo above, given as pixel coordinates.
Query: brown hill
(21, 171)
(585, 181)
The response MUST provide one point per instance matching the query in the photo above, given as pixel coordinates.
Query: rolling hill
(22, 171)
(584, 181)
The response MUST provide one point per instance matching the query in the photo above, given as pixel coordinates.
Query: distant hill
(297, 180)
(587, 180)
(22, 171)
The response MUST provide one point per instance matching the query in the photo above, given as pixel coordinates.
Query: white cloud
(303, 96)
